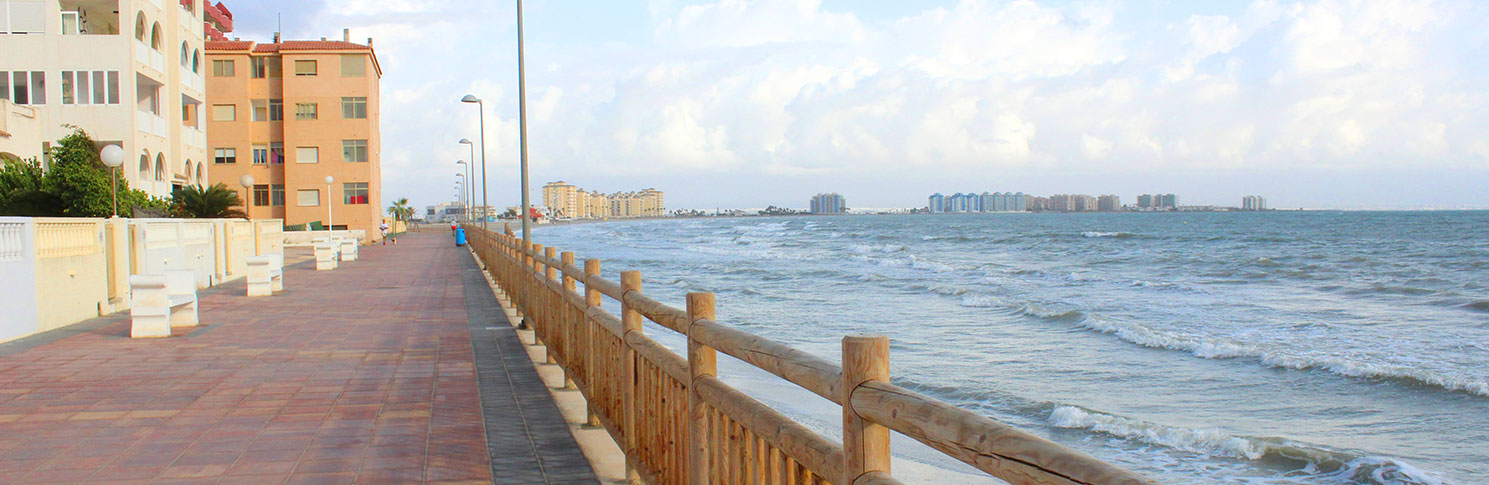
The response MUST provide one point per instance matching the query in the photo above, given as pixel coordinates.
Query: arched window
(139, 27)
(196, 61)
(160, 167)
(201, 175)
(145, 166)
(157, 38)
(185, 55)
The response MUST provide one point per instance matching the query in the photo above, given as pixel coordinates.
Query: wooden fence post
(702, 361)
(591, 300)
(567, 322)
(551, 319)
(865, 444)
(630, 322)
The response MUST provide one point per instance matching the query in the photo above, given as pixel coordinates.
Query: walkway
(367, 373)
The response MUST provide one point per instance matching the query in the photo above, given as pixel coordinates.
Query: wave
(1477, 306)
(1119, 235)
(1209, 348)
(1321, 462)
(879, 248)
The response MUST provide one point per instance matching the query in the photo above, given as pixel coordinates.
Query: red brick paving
(360, 374)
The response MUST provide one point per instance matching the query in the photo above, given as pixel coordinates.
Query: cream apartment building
(129, 72)
(291, 113)
(569, 201)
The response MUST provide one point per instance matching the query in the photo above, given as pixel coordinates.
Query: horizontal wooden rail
(678, 423)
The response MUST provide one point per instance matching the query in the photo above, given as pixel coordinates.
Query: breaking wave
(1324, 464)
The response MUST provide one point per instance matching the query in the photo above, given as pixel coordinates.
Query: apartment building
(566, 200)
(290, 114)
(833, 203)
(129, 72)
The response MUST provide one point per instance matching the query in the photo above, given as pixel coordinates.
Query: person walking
(384, 228)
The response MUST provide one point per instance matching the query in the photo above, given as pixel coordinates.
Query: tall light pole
(522, 125)
(481, 105)
(113, 156)
(330, 222)
(471, 179)
(466, 141)
(247, 182)
(460, 187)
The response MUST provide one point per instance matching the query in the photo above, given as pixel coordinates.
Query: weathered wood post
(702, 361)
(567, 322)
(630, 322)
(865, 444)
(591, 300)
(551, 320)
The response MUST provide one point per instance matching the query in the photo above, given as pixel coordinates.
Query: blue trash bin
(460, 236)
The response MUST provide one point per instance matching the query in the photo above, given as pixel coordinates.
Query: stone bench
(348, 249)
(326, 255)
(265, 274)
(158, 302)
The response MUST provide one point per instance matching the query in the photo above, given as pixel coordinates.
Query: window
(25, 88)
(222, 68)
(354, 192)
(224, 112)
(307, 197)
(260, 195)
(262, 67)
(225, 155)
(25, 17)
(304, 68)
(353, 150)
(260, 154)
(354, 108)
(276, 152)
(268, 110)
(276, 110)
(276, 195)
(260, 110)
(307, 155)
(306, 111)
(353, 65)
(90, 87)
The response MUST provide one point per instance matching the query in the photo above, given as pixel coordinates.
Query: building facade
(565, 200)
(1108, 203)
(833, 203)
(290, 114)
(1254, 203)
(128, 72)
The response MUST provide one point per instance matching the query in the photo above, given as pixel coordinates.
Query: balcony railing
(157, 61)
(141, 53)
(192, 80)
(151, 123)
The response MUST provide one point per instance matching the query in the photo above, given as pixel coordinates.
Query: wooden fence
(678, 423)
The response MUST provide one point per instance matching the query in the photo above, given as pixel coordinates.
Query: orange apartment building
(290, 113)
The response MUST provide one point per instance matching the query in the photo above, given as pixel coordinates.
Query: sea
(1261, 347)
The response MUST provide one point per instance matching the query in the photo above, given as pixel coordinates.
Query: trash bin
(460, 236)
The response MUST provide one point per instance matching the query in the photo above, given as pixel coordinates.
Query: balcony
(157, 61)
(193, 138)
(218, 15)
(193, 81)
(151, 123)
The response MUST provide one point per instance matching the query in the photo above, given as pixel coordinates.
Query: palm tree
(216, 201)
(400, 210)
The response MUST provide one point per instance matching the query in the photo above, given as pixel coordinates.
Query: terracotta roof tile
(228, 45)
(288, 45)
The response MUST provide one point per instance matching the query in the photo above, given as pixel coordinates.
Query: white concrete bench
(158, 302)
(265, 274)
(325, 256)
(349, 249)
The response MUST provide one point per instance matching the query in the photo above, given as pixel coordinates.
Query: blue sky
(748, 103)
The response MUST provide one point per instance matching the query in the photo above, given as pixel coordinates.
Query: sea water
(1274, 347)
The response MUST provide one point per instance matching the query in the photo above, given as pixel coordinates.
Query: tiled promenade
(364, 374)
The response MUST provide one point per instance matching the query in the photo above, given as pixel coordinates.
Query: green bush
(76, 185)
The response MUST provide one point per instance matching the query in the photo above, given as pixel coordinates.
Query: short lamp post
(481, 106)
(330, 222)
(470, 179)
(247, 182)
(460, 185)
(113, 157)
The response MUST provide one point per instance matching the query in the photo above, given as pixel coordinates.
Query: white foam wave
(1217, 442)
(1210, 348)
(981, 301)
(1103, 234)
(876, 248)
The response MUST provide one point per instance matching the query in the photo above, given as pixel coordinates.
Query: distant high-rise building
(1145, 201)
(1108, 203)
(1254, 203)
(829, 204)
(1085, 203)
(936, 204)
(1168, 201)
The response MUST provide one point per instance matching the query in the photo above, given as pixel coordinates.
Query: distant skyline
(749, 103)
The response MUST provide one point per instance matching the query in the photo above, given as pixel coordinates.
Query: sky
(749, 103)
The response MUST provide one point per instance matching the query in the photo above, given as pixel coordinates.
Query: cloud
(792, 88)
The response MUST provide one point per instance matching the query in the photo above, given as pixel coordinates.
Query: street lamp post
(481, 105)
(330, 221)
(247, 182)
(113, 156)
(522, 125)
(470, 186)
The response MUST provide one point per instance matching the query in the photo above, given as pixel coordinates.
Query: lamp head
(465, 141)
(460, 162)
(329, 179)
(112, 155)
(470, 98)
(246, 181)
